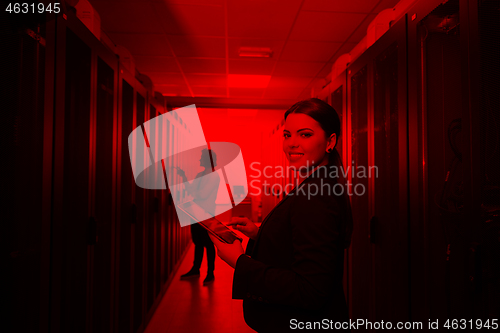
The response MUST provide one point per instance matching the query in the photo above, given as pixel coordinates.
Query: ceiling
(191, 47)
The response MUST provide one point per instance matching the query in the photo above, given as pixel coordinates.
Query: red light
(248, 81)
(242, 112)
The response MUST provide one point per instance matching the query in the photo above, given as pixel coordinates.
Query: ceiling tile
(203, 20)
(296, 68)
(288, 82)
(165, 78)
(305, 94)
(346, 48)
(273, 116)
(156, 64)
(251, 66)
(281, 93)
(211, 112)
(203, 91)
(248, 81)
(309, 51)
(251, 113)
(385, 4)
(192, 65)
(194, 46)
(261, 19)
(196, 31)
(142, 44)
(325, 26)
(286, 87)
(93, 2)
(206, 80)
(360, 31)
(351, 6)
(234, 45)
(173, 90)
(326, 70)
(121, 16)
(191, 2)
(246, 92)
(316, 84)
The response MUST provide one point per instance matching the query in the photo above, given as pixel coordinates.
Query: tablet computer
(207, 221)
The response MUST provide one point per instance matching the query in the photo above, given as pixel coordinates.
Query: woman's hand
(228, 252)
(245, 226)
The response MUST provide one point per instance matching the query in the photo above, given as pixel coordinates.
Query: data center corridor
(100, 153)
(188, 306)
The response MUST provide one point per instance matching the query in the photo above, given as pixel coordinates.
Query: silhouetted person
(204, 190)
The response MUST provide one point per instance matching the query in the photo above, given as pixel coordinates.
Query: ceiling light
(242, 112)
(255, 52)
(248, 81)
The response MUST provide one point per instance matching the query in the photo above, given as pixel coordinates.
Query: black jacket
(294, 269)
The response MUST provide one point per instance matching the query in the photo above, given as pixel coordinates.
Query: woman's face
(304, 141)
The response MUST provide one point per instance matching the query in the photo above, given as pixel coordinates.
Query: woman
(291, 274)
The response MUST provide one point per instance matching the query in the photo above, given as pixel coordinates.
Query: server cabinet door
(486, 256)
(171, 226)
(338, 102)
(456, 66)
(389, 224)
(437, 221)
(378, 94)
(159, 208)
(152, 208)
(170, 212)
(360, 245)
(138, 299)
(73, 225)
(127, 213)
(102, 251)
(23, 85)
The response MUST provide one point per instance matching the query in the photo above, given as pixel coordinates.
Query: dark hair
(329, 121)
(210, 152)
(327, 118)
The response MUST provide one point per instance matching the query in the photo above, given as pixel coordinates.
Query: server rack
(423, 250)
(453, 188)
(376, 123)
(94, 253)
(26, 90)
(433, 105)
(337, 91)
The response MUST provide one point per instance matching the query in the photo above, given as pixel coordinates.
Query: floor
(188, 306)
